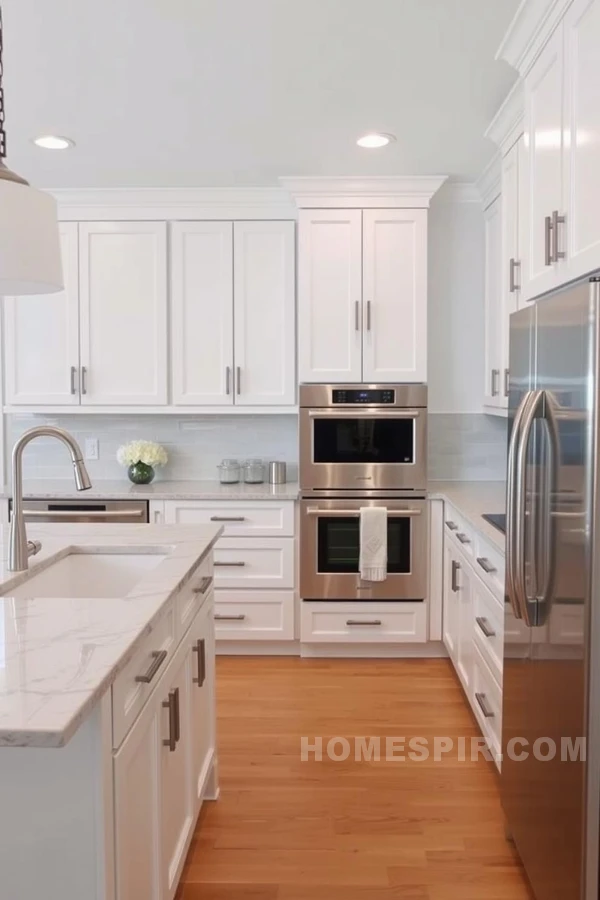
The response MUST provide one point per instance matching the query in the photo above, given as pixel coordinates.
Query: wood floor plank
(284, 829)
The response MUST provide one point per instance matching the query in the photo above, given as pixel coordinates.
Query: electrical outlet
(91, 448)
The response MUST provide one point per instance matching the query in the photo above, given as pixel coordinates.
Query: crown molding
(532, 25)
(489, 182)
(457, 192)
(377, 192)
(507, 126)
(174, 203)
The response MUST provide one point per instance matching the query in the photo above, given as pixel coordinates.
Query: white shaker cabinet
(494, 316)
(451, 620)
(394, 295)
(201, 679)
(41, 338)
(202, 313)
(264, 313)
(123, 313)
(330, 295)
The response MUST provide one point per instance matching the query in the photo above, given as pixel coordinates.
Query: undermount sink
(95, 574)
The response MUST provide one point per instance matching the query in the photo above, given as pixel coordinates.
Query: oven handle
(351, 513)
(364, 413)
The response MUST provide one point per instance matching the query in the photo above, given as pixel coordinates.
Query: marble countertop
(58, 656)
(472, 499)
(56, 489)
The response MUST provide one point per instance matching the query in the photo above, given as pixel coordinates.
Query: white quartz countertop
(58, 656)
(472, 499)
(57, 489)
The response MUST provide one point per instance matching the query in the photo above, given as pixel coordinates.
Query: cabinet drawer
(488, 627)
(489, 564)
(254, 616)
(193, 595)
(129, 695)
(486, 700)
(243, 518)
(458, 529)
(248, 563)
(363, 623)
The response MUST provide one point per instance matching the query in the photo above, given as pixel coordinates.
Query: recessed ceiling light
(53, 142)
(374, 140)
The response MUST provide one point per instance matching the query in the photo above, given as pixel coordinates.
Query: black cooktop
(498, 520)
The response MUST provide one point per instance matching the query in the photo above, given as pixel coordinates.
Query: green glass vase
(140, 473)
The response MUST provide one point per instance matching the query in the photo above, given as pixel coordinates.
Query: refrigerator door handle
(545, 531)
(511, 505)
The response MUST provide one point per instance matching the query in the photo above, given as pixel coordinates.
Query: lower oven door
(330, 550)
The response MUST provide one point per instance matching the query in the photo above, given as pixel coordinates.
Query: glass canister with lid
(229, 471)
(254, 471)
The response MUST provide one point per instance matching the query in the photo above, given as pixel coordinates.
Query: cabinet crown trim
(530, 29)
(489, 182)
(507, 126)
(376, 192)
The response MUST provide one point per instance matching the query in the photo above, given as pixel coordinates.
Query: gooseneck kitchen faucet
(20, 549)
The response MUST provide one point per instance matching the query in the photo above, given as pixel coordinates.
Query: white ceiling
(170, 93)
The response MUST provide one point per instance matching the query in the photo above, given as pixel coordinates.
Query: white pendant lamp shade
(30, 258)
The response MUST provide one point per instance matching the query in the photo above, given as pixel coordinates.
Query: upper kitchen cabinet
(494, 312)
(264, 269)
(41, 338)
(233, 313)
(330, 327)
(394, 295)
(123, 313)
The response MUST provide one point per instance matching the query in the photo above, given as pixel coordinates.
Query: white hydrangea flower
(142, 451)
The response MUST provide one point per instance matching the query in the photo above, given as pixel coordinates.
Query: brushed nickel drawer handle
(200, 648)
(203, 586)
(485, 627)
(366, 622)
(486, 565)
(172, 704)
(463, 538)
(455, 571)
(238, 564)
(158, 658)
(228, 518)
(487, 712)
(219, 617)
(451, 526)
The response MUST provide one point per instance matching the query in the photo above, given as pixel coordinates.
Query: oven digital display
(369, 397)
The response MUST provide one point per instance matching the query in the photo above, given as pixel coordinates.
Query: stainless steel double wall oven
(362, 445)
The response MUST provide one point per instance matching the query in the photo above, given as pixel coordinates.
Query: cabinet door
(582, 134)
(330, 295)
(202, 313)
(510, 263)
(202, 699)
(543, 149)
(123, 313)
(451, 602)
(41, 338)
(394, 295)
(177, 818)
(464, 655)
(494, 315)
(265, 314)
(137, 828)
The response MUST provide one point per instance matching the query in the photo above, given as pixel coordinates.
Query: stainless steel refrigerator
(551, 679)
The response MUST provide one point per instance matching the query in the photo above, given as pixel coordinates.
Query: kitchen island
(107, 730)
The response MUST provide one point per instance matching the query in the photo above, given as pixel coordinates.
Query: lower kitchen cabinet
(458, 612)
(201, 683)
(363, 622)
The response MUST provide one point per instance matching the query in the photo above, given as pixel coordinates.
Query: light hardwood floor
(284, 829)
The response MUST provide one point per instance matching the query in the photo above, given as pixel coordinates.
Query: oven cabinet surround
(556, 57)
(473, 620)
(362, 295)
(110, 815)
(255, 565)
(159, 315)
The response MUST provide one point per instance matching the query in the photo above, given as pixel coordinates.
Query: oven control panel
(370, 397)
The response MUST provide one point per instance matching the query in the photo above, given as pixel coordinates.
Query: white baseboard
(432, 649)
(258, 648)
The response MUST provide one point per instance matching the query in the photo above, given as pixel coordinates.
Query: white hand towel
(373, 543)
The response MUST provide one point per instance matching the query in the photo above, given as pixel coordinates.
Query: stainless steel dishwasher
(91, 511)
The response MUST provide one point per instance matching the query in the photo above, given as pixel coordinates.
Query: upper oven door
(369, 448)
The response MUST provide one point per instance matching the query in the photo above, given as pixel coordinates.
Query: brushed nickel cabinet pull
(219, 617)
(494, 386)
(556, 221)
(485, 627)
(172, 705)
(513, 287)
(238, 375)
(229, 564)
(73, 373)
(455, 571)
(368, 315)
(451, 526)
(506, 382)
(486, 565)
(84, 380)
(463, 538)
(227, 380)
(548, 241)
(366, 622)
(487, 712)
(203, 586)
(200, 648)
(158, 658)
(228, 518)
(356, 316)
